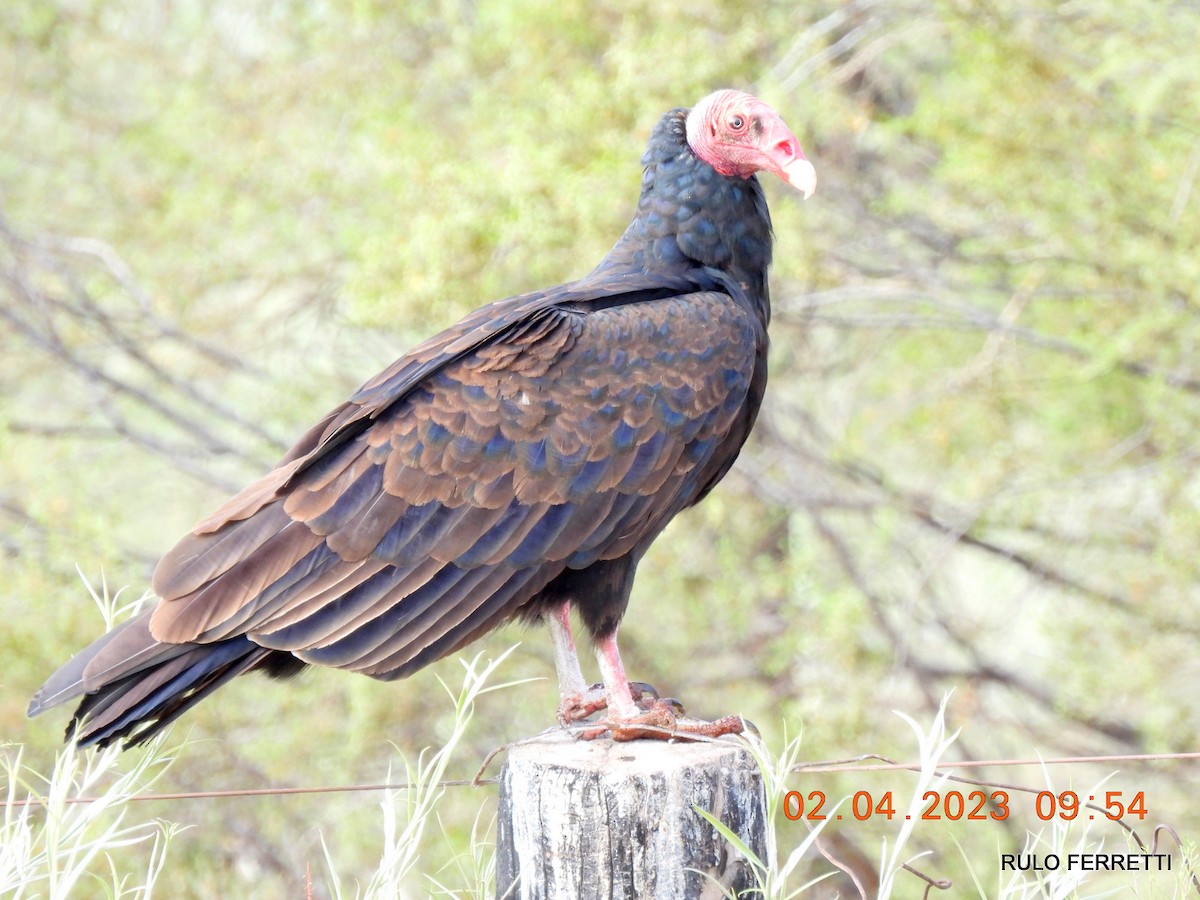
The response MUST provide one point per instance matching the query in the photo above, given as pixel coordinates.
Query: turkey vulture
(516, 465)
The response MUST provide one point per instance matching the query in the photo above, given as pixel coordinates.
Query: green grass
(74, 832)
(409, 813)
(80, 828)
(975, 468)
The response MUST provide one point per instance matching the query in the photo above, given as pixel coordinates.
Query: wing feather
(353, 648)
(342, 615)
(413, 536)
(500, 588)
(308, 599)
(219, 607)
(490, 605)
(455, 541)
(355, 540)
(457, 484)
(199, 558)
(339, 501)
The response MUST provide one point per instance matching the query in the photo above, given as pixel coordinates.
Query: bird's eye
(737, 123)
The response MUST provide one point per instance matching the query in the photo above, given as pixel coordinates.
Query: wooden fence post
(582, 819)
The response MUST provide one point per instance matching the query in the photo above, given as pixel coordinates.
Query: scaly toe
(578, 706)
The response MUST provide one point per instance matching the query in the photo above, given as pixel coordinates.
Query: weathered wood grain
(582, 819)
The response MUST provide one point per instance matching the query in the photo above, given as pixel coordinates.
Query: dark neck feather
(690, 215)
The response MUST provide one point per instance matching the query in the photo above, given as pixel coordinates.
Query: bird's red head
(738, 134)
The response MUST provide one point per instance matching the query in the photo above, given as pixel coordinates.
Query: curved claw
(644, 689)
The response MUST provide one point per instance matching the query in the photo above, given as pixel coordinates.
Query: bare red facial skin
(737, 134)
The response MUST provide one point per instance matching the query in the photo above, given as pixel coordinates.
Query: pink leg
(658, 719)
(577, 700)
(626, 720)
(616, 684)
(566, 660)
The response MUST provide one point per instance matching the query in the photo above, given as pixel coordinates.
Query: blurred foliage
(976, 468)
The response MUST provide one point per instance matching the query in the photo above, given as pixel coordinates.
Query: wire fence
(849, 764)
(855, 764)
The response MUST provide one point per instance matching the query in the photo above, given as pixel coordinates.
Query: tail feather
(133, 686)
(127, 649)
(139, 706)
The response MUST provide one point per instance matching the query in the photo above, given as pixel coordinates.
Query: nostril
(785, 148)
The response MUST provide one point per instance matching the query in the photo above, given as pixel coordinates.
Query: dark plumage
(517, 463)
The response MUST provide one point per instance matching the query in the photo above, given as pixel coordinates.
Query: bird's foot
(663, 720)
(576, 707)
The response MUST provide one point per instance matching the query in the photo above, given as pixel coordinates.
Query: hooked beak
(801, 175)
(787, 160)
